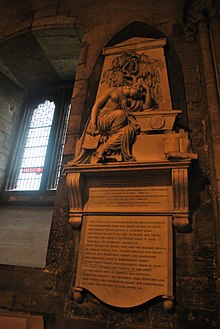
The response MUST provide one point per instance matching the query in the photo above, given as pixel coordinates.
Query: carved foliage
(127, 68)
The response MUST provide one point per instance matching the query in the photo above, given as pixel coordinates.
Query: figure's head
(139, 84)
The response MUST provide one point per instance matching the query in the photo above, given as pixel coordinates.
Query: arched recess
(175, 74)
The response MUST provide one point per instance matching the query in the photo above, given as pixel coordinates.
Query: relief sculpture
(128, 182)
(133, 66)
(132, 85)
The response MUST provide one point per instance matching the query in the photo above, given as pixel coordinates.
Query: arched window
(32, 163)
(36, 163)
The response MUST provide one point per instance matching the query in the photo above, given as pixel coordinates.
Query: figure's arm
(146, 87)
(147, 103)
(92, 129)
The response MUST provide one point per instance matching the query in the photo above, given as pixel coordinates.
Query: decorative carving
(78, 295)
(168, 303)
(148, 201)
(75, 193)
(128, 68)
(156, 122)
(133, 82)
(112, 127)
(139, 200)
(177, 145)
(181, 223)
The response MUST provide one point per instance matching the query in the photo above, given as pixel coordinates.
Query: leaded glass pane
(32, 163)
(59, 165)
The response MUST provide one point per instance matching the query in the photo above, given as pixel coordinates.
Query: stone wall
(103, 23)
(11, 104)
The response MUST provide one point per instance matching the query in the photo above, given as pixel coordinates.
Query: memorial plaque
(133, 194)
(126, 260)
(128, 181)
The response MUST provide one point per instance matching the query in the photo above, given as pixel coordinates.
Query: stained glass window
(34, 153)
(61, 149)
(36, 163)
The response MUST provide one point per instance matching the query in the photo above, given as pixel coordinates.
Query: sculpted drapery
(112, 127)
(132, 84)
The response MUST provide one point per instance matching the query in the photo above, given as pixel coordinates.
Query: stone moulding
(128, 182)
(78, 189)
(94, 194)
(74, 185)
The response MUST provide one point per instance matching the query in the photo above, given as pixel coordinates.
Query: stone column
(214, 25)
(199, 18)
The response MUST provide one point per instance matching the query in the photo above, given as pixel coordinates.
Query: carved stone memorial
(128, 181)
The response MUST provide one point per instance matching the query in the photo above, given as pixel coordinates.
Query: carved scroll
(74, 184)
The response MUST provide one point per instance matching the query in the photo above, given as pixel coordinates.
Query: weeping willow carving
(126, 69)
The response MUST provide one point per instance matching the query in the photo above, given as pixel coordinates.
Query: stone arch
(55, 49)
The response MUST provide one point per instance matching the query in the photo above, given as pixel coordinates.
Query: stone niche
(128, 182)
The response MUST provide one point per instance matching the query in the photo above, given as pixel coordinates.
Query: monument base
(127, 212)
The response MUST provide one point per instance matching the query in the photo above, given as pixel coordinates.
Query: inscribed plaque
(131, 194)
(126, 260)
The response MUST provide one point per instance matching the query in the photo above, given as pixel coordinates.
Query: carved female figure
(112, 123)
